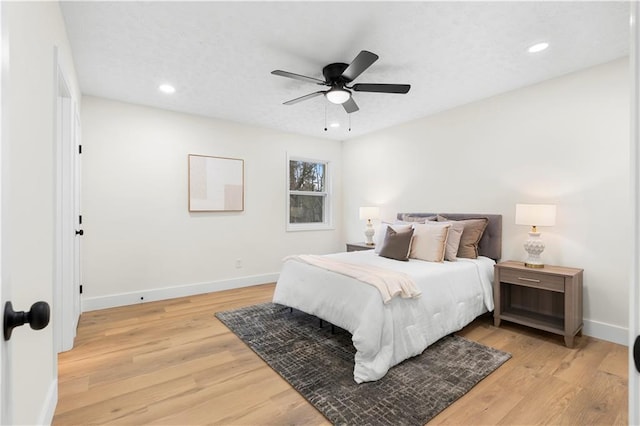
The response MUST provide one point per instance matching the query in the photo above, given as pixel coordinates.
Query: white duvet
(453, 295)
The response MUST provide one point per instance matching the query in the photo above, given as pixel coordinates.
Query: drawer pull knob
(529, 279)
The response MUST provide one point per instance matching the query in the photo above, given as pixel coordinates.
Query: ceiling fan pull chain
(325, 117)
(349, 121)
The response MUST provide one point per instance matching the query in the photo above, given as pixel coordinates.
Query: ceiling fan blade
(304, 98)
(381, 88)
(350, 106)
(297, 76)
(359, 64)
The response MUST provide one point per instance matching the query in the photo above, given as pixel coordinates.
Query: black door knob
(80, 232)
(37, 317)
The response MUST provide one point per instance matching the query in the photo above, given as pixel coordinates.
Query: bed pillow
(429, 241)
(471, 235)
(417, 219)
(378, 237)
(396, 244)
(453, 240)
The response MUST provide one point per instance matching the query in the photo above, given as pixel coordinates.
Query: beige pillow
(396, 245)
(429, 241)
(453, 240)
(473, 230)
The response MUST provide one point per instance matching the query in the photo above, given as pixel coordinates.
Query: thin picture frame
(216, 184)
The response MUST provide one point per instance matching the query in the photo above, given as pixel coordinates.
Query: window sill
(295, 227)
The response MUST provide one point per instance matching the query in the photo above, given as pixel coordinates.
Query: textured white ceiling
(219, 55)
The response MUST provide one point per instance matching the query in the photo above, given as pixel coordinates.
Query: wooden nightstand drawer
(533, 279)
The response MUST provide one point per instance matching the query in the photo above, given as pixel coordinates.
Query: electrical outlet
(238, 263)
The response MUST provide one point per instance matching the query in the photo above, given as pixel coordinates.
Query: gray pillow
(407, 217)
(396, 245)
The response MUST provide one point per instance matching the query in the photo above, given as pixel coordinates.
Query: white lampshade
(367, 213)
(338, 96)
(536, 214)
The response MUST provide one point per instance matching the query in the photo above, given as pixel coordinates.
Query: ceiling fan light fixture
(337, 95)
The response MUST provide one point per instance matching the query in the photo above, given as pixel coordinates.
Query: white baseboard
(142, 296)
(608, 332)
(49, 408)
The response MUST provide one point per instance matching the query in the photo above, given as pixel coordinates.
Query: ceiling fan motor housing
(333, 74)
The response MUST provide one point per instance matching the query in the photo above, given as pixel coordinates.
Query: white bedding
(453, 295)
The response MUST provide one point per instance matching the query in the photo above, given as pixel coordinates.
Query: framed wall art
(216, 184)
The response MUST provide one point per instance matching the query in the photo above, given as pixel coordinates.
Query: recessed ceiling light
(334, 125)
(538, 47)
(166, 88)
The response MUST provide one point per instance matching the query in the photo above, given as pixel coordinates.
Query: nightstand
(359, 246)
(548, 298)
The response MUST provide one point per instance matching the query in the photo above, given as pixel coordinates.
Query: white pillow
(429, 241)
(378, 237)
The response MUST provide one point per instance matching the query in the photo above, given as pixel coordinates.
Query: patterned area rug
(319, 365)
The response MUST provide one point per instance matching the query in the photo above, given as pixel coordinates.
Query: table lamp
(535, 215)
(368, 213)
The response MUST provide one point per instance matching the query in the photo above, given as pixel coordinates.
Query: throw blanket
(389, 283)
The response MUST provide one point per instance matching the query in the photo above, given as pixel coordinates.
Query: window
(308, 201)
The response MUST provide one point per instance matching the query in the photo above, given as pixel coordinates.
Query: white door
(68, 228)
(634, 286)
(77, 217)
(27, 183)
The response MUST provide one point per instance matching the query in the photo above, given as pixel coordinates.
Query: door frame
(6, 412)
(634, 151)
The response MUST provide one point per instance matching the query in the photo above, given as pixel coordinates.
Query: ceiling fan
(338, 76)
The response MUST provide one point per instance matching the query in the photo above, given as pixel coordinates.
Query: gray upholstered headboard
(491, 242)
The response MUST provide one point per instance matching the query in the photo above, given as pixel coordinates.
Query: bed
(453, 293)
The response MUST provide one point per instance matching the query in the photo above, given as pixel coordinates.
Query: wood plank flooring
(173, 362)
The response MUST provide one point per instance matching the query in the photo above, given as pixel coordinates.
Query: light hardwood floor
(173, 362)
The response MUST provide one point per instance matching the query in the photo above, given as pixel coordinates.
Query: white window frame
(327, 194)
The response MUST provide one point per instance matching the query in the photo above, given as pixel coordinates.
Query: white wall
(141, 240)
(564, 141)
(28, 196)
